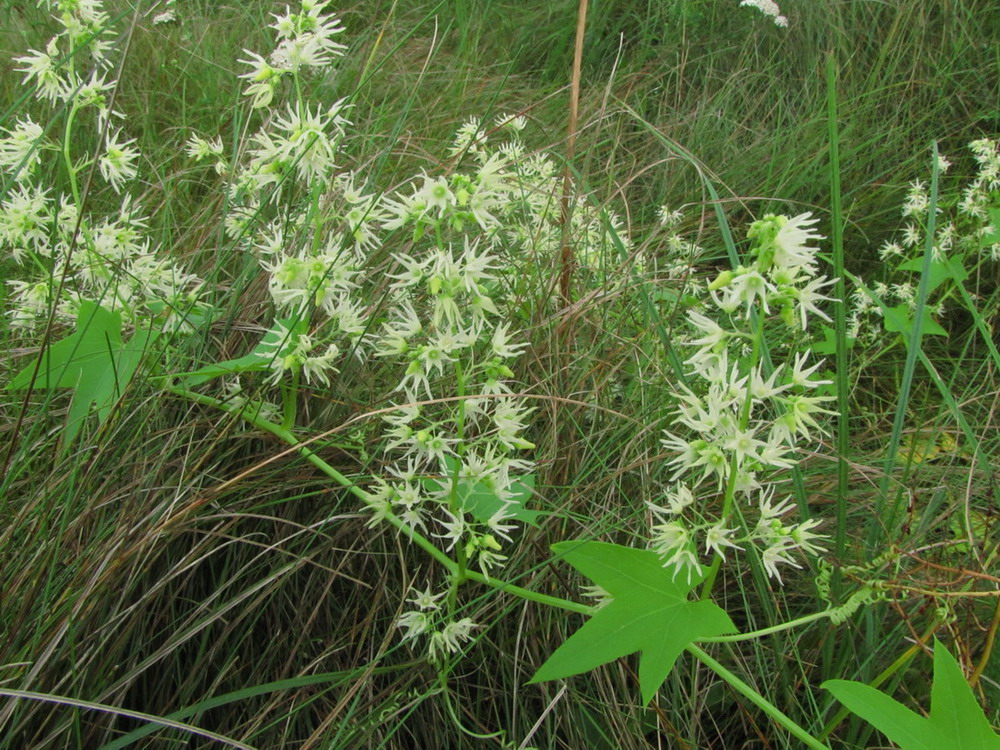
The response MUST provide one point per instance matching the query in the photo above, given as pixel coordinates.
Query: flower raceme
(736, 424)
(80, 256)
(965, 238)
(305, 44)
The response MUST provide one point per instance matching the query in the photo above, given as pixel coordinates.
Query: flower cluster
(423, 619)
(678, 255)
(768, 8)
(293, 206)
(512, 199)
(965, 237)
(107, 259)
(738, 420)
(305, 44)
(458, 473)
(74, 64)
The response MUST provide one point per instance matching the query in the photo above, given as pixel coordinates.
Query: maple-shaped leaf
(649, 612)
(955, 720)
(939, 271)
(482, 501)
(92, 361)
(900, 319)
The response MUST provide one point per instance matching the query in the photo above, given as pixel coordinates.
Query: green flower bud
(788, 315)
(722, 280)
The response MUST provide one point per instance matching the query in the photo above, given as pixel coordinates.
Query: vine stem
(773, 629)
(289, 401)
(453, 568)
(756, 698)
(454, 505)
(730, 496)
(415, 536)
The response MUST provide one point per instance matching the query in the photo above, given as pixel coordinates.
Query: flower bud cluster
(737, 421)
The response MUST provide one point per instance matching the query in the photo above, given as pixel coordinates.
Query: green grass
(179, 563)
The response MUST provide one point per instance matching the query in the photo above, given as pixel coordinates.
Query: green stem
(455, 719)
(531, 596)
(730, 496)
(286, 435)
(300, 100)
(773, 629)
(727, 507)
(415, 536)
(289, 401)
(840, 322)
(68, 156)
(756, 698)
(453, 503)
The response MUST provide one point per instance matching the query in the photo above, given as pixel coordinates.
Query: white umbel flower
(768, 8)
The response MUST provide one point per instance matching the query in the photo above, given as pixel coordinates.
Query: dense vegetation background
(182, 562)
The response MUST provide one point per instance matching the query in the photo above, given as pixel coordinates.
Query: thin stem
(68, 156)
(771, 630)
(299, 98)
(455, 720)
(984, 659)
(415, 536)
(566, 256)
(840, 321)
(289, 401)
(453, 501)
(730, 496)
(531, 596)
(756, 698)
